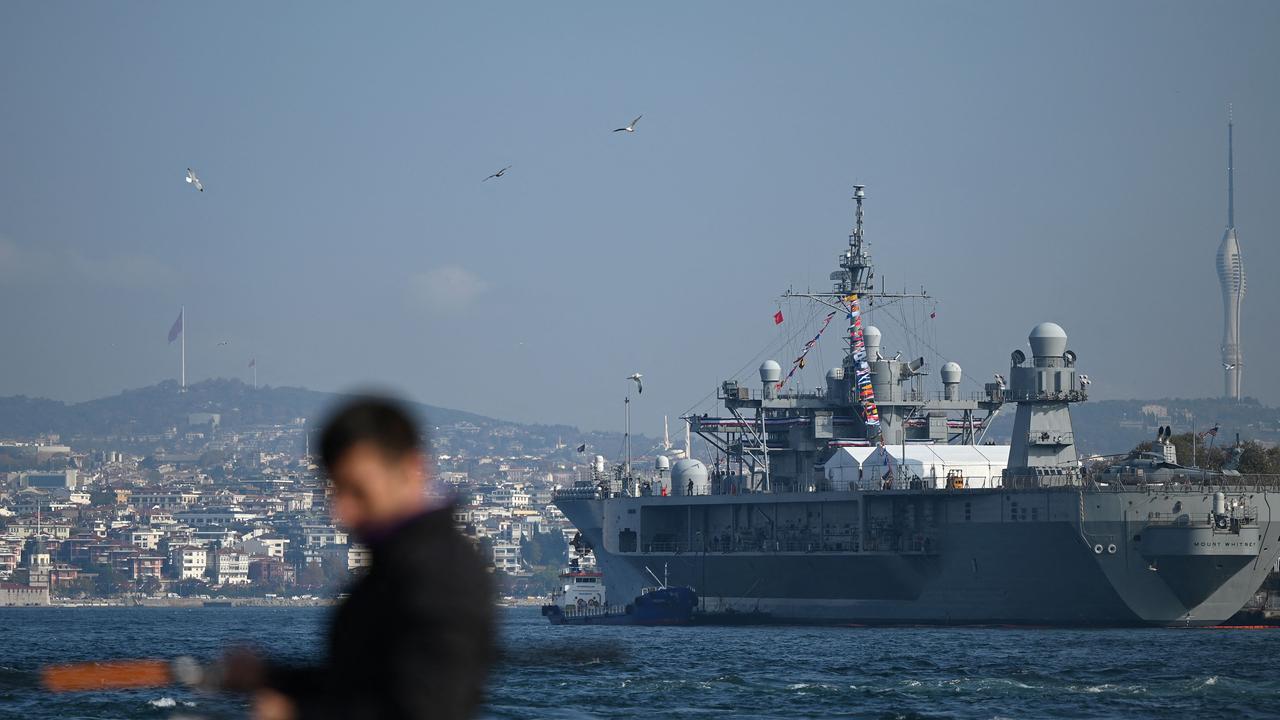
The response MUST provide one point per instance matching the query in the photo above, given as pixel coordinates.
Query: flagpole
(183, 313)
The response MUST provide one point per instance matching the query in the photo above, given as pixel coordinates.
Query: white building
(506, 557)
(229, 567)
(145, 539)
(266, 546)
(322, 535)
(188, 562)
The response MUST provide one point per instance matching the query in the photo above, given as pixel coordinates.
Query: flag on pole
(582, 448)
(176, 330)
(253, 362)
(1211, 432)
(777, 318)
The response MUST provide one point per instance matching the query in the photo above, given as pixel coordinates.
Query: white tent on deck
(844, 469)
(980, 466)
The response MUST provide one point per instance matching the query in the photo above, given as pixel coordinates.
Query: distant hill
(1116, 426)
(1101, 426)
(158, 408)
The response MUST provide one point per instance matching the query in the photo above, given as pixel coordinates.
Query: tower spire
(1231, 178)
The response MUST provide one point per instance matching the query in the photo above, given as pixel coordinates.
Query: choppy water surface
(760, 672)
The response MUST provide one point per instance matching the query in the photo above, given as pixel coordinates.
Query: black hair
(385, 423)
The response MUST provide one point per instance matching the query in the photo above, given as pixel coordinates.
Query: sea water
(693, 672)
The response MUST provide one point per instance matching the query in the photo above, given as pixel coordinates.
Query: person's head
(373, 452)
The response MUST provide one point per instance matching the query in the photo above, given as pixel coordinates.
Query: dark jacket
(415, 637)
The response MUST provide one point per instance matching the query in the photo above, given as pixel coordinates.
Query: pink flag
(176, 330)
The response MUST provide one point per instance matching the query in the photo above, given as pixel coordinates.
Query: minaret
(1231, 276)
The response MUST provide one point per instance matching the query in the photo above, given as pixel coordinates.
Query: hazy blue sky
(1024, 162)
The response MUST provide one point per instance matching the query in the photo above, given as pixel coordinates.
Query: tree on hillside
(189, 587)
(1255, 458)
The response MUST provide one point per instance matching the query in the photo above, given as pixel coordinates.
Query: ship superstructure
(874, 499)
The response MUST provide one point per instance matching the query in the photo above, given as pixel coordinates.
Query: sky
(1023, 162)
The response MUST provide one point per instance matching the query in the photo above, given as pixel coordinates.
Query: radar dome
(951, 373)
(689, 469)
(770, 371)
(871, 337)
(1048, 340)
(661, 463)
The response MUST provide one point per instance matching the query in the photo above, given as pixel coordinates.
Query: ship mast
(855, 275)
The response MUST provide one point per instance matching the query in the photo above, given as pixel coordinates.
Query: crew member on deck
(415, 637)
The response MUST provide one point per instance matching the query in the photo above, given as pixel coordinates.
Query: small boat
(582, 602)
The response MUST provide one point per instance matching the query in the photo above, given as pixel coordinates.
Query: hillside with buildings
(157, 492)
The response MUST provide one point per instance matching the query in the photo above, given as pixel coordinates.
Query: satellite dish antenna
(1070, 357)
(1018, 357)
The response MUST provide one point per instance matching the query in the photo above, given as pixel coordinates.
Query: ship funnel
(871, 337)
(951, 375)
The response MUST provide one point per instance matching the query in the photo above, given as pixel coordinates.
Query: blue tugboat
(582, 602)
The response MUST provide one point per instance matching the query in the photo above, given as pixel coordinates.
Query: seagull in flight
(224, 343)
(639, 385)
(1228, 366)
(632, 126)
(498, 174)
(193, 180)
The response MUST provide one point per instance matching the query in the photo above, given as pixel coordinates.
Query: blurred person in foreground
(415, 636)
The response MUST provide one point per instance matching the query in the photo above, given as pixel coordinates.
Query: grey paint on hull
(1046, 572)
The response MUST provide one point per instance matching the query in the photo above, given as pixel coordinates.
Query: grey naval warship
(875, 501)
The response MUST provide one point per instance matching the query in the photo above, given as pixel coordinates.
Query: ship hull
(1064, 557)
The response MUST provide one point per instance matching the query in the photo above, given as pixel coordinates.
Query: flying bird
(639, 385)
(632, 126)
(193, 180)
(224, 342)
(498, 174)
(1228, 366)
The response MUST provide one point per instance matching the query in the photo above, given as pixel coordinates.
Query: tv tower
(1231, 276)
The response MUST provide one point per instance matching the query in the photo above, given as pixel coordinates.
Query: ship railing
(755, 544)
(591, 493)
(1189, 482)
(975, 396)
(1245, 516)
(1063, 481)
(593, 610)
(1011, 395)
